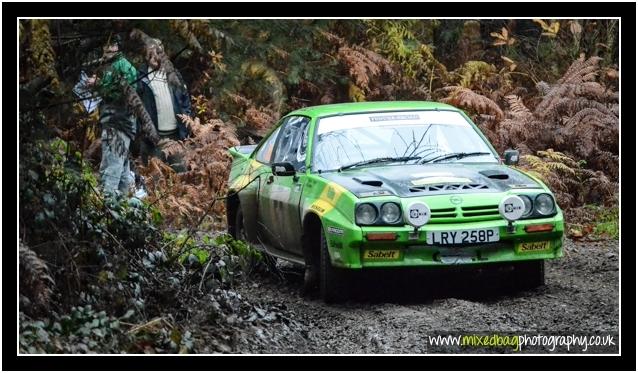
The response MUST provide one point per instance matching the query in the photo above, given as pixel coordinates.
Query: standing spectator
(164, 97)
(116, 118)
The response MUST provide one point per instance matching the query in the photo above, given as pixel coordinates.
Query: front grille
(464, 214)
(443, 213)
(447, 187)
(473, 211)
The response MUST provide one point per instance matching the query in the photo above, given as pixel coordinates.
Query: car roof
(370, 106)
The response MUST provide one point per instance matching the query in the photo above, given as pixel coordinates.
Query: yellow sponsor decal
(320, 207)
(331, 193)
(382, 254)
(526, 247)
(440, 180)
(328, 199)
(242, 180)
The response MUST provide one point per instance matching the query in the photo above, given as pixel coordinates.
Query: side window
(291, 146)
(264, 154)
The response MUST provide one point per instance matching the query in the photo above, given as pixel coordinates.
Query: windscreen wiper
(378, 160)
(453, 155)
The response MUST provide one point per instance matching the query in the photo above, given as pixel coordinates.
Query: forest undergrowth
(106, 275)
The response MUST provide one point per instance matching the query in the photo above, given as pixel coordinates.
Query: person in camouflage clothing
(116, 86)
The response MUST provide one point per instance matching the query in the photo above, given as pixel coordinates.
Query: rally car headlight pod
(529, 205)
(511, 208)
(366, 214)
(544, 204)
(390, 212)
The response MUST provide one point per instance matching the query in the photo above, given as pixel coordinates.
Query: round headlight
(390, 212)
(544, 204)
(527, 211)
(366, 214)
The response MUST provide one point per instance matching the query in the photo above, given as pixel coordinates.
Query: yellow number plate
(526, 247)
(382, 254)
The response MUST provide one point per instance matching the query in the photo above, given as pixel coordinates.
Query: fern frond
(261, 118)
(255, 70)
(517, 107)
(36, 283)
(363, 64)
(184, 29)
(543, 88)
(581, 71)
(556, 156)
(136, 106)
(589, 119)
(42, 54)
(468, 99)
(474, 71)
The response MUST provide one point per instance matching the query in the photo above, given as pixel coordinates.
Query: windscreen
(420, 135)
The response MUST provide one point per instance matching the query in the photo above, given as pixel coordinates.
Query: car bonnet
(418, 180)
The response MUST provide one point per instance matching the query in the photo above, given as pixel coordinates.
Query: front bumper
(347, 249)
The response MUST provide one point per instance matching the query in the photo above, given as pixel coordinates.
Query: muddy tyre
(529, 274)
(332, 287)
(239, 233)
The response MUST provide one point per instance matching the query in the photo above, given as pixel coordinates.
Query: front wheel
(332, 286)
(529, 274)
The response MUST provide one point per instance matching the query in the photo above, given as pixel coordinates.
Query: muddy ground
(394, 313)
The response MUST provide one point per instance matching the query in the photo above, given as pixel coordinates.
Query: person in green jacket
(116, 118)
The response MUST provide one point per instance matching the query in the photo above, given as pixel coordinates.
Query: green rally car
(344, 187)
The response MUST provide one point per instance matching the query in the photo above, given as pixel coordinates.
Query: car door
(280, 196)
(264, 156)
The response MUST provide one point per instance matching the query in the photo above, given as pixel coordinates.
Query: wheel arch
(310, 238)
(232, 207)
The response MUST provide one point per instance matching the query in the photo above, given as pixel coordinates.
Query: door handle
(270, 179)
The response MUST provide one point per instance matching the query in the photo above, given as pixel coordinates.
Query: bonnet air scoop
(495, 174)
(368, 181)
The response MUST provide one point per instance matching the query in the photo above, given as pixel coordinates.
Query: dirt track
(395, 313)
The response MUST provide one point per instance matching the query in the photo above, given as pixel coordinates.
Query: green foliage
(231, 258)
(237, 247)
(473, 74)
(54, 180)
(191, 251)
(606, 221)
(237, 258)
(571, 182)
(82, 331)
(42, 55)
(398, 41)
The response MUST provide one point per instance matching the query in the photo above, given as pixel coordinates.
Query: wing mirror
(511, 157)
(283, 169)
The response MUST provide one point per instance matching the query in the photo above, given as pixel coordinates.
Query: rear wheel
(332, 285)
(239, 233)
(529, 274)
